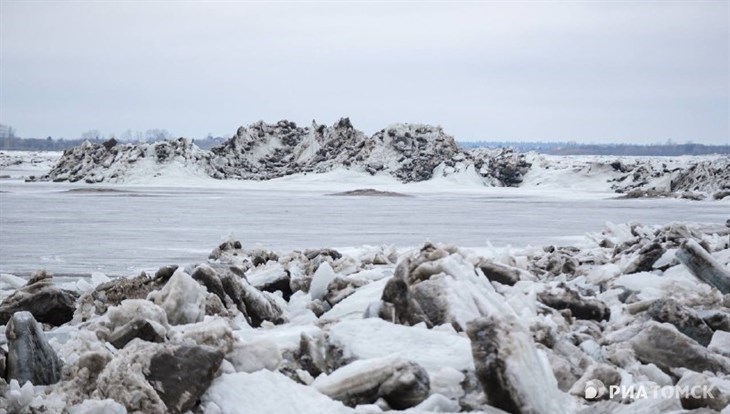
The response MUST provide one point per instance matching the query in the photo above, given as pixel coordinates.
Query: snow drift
(434, 329)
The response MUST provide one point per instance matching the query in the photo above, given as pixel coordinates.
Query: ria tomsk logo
(594, 389)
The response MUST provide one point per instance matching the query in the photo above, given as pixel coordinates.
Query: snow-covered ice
(75, 232)
(266, 392)
(291, 328)
(374, 338)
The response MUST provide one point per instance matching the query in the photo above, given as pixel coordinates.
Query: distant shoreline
(548, 148)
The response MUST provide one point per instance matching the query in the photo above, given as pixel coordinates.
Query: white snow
(589, 175)
(21, 164)
(286, 337)
(266, 392)
(254, 356)
(374, 337)
(98, 407)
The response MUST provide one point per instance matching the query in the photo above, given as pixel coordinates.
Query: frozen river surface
(72, 232)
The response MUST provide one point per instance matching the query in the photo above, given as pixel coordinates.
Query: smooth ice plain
(133, 228)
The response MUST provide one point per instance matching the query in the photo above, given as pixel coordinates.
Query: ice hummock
(318, 355)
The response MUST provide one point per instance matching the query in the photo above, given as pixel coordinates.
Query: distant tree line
(10, 141)
(574, 148)
(40, 144)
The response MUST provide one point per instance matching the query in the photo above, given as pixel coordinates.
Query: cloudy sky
(620, 71)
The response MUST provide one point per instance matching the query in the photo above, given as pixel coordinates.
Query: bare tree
(126, 136)
(6, 131)
(153, 135)
(91, 135)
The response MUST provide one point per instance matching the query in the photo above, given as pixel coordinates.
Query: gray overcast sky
(627, 71)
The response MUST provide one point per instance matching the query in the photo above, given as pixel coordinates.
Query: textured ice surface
(322, 277)
(182, 298)
(352, 306)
